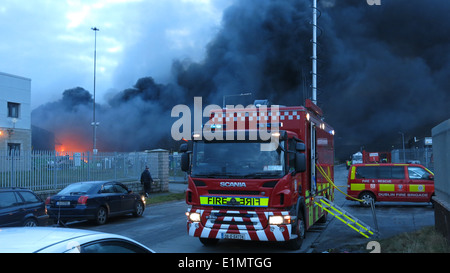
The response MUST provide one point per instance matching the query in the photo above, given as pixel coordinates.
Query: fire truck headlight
(279, 220)
(194, 217)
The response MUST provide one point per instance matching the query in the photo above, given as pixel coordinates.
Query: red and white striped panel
(249, 223)
(223, 118)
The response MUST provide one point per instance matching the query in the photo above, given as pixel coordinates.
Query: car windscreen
(237, 159)
(78, 188)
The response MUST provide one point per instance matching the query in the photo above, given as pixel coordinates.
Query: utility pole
(314, 54)
(94, 123)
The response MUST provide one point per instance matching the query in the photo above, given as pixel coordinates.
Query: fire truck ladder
(348, 219)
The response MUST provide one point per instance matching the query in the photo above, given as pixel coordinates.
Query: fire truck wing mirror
(299, 146)
(300, 162)
(183, 148)
(185, 162)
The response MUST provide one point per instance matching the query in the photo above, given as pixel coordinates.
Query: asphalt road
(163, 226)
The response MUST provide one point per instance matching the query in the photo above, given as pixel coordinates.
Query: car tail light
(82, 200)
(47, 201)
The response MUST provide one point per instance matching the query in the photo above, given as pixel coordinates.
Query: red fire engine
(376, 157)
(240, 189)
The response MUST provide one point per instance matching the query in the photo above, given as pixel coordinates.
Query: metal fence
(422, 156)
(45, 170)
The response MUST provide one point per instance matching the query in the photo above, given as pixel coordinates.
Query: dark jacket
(146, 177)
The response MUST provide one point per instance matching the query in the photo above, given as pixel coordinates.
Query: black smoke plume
(382, 70)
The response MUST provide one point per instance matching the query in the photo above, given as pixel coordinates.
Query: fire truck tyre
(209, 241)
(296, 243)
(138, 209)
(101, 216)
(367, 197)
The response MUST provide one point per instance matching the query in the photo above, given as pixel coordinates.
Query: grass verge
(424, 240)
(156, 199)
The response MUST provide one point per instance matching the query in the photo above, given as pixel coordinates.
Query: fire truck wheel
(209, 241)
(367, 197)
(296, 243)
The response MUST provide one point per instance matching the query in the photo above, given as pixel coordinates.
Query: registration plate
(63, 203)
(233, 236)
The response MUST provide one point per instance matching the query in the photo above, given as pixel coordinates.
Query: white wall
(15, 89)
(441, 150)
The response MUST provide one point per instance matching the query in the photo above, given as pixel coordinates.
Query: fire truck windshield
(236, 159)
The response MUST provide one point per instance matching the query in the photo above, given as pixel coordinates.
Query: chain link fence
(423, 156)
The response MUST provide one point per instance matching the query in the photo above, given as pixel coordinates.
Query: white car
(65, 240)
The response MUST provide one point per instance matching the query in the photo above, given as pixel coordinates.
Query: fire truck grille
(233, 220)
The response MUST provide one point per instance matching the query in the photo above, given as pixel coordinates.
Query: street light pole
(314, 54)
(403, 142)
(94, 123)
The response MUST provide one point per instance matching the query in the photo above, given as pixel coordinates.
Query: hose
(321, 170)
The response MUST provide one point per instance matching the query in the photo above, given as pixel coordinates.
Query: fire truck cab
(256, 178)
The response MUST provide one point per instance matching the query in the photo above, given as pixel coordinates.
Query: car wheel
(138, 209)
(367, 198)
(30, 222)
(101, 216)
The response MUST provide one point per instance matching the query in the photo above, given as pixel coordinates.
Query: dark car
(94, 200)
(21, 207)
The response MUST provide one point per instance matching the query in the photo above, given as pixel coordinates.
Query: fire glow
(71, 143)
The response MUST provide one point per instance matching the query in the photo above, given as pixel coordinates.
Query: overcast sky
(51, 41)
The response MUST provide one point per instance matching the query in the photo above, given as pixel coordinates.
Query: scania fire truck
(244, 185)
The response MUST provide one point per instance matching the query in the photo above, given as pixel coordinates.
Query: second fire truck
(245, 185)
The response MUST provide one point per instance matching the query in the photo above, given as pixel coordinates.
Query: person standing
(146, 181)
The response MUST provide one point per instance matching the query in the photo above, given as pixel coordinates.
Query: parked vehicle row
(21, 209)
(93, 200)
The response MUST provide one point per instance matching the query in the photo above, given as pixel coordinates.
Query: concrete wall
(441, 157)
(158, 162)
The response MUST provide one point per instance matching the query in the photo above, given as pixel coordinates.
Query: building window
(13, 109)
(13, 149)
